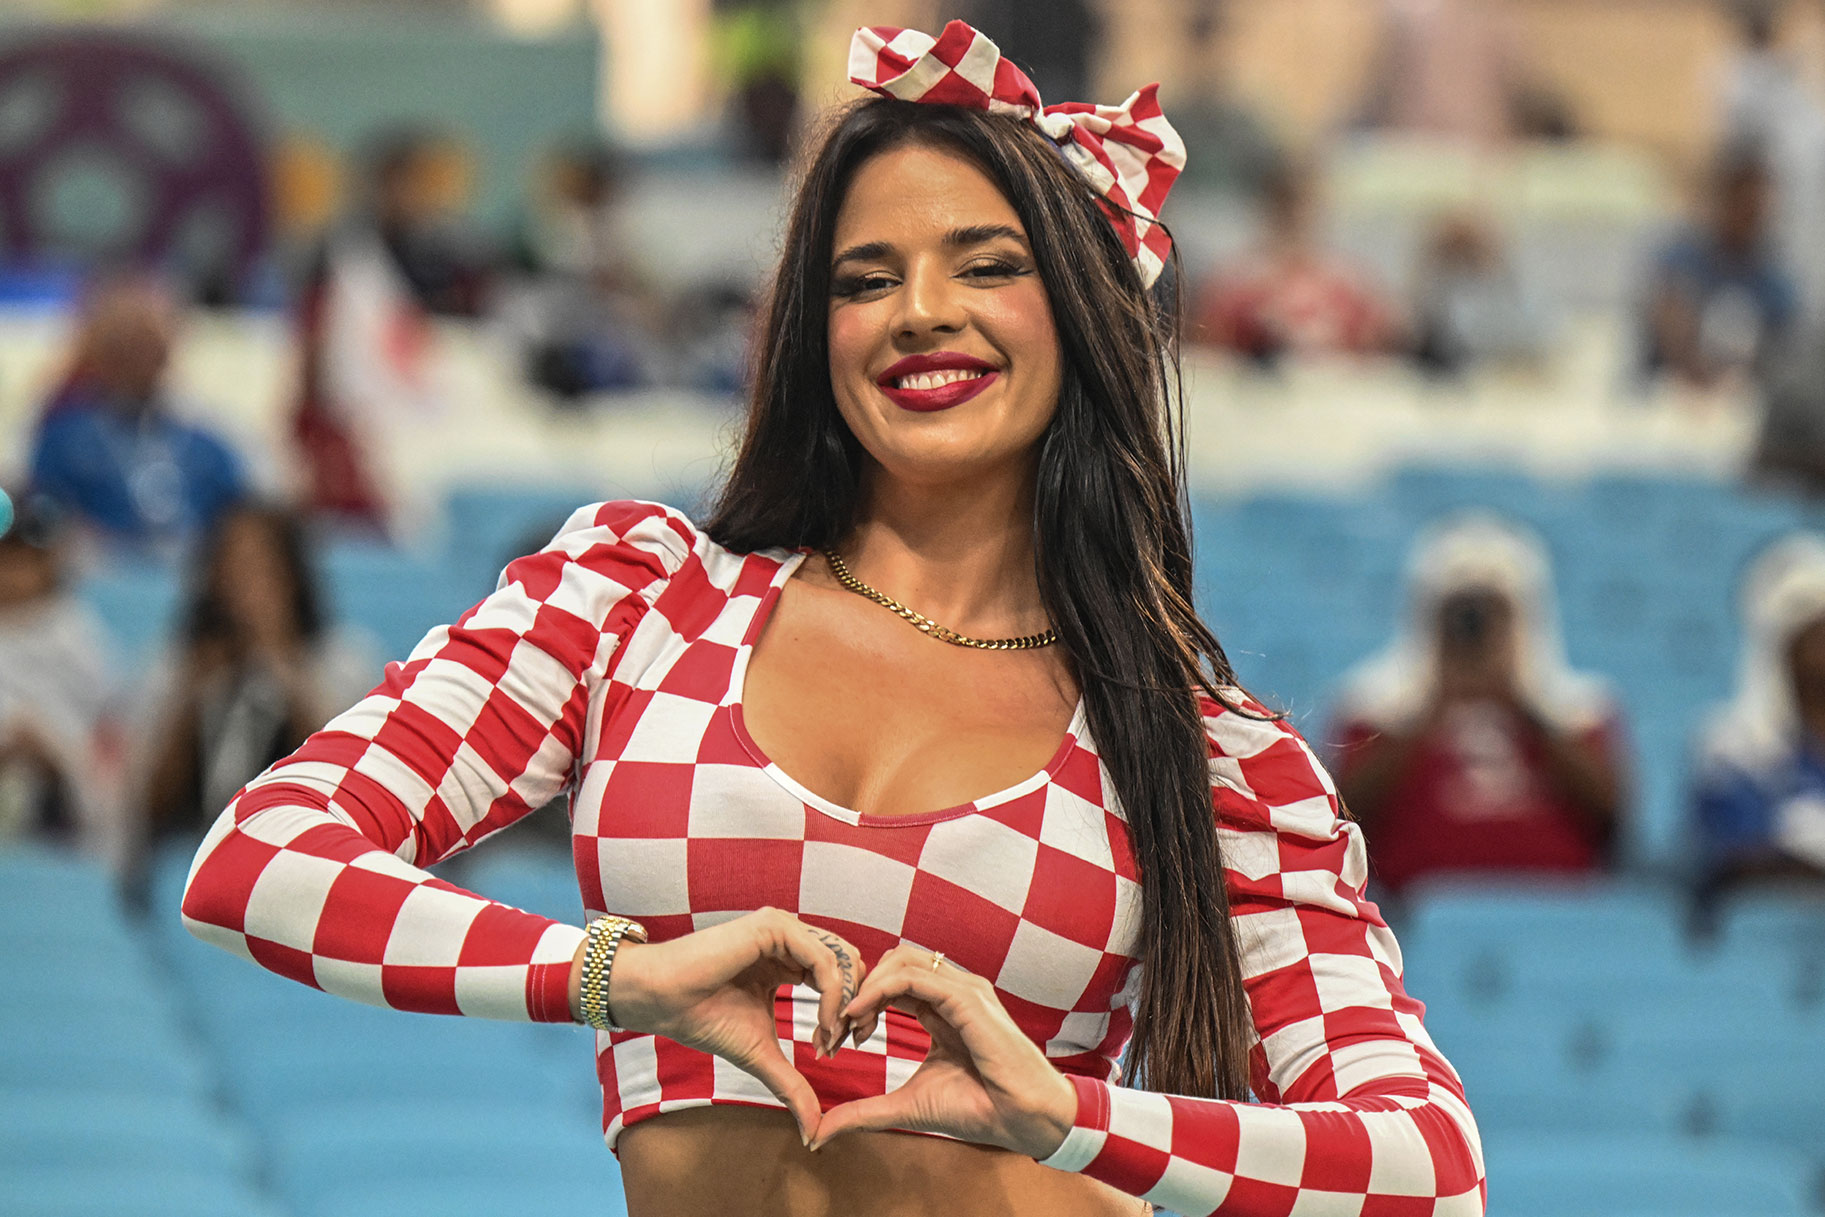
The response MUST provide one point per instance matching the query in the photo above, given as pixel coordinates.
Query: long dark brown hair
(1114, 556)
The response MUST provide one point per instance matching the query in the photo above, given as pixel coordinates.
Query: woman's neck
(962, 554)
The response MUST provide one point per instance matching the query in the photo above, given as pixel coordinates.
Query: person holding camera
(1469, 743)
(1758, 782)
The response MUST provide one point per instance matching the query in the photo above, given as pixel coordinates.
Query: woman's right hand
(713, 990)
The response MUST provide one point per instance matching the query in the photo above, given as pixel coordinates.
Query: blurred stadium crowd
(1506, 389)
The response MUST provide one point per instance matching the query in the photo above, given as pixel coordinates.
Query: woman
(1470, 744)
(961, 400)
(1760, 785)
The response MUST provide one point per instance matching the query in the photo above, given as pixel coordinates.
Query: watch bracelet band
(605, 935)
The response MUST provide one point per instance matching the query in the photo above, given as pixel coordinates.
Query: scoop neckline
(738, 687)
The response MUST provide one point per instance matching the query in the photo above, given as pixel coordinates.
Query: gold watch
(605, 936)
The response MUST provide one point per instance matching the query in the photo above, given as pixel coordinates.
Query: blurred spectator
(1469, 307)
(1228, 147)
(1719, 302)
(1765, 104)
(364, 307)
(60, 754)
(709, 327)
(1293, 296)
(1760, 786)
(256, 670)
(756, 45)
(1450, 69)
(579, 309)
(109, 449)
(1469, 743)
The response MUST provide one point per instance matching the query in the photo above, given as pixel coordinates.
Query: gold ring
(937, 958)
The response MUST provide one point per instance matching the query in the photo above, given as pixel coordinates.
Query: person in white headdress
(1469, 743)
(1759, 789)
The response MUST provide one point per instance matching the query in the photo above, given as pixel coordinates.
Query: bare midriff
(718, 1161)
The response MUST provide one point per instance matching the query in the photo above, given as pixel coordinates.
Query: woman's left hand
(983, 1080)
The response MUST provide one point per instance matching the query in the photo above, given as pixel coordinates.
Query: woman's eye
(993, 270)
(861, 285)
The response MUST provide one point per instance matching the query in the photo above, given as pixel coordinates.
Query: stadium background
(1620, 1059)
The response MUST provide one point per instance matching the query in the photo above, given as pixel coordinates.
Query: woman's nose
(929, 302)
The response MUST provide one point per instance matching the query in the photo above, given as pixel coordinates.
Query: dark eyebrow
(974, 234)
(867, 252)
(982, 234)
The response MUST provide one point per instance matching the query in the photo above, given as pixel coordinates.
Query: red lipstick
(944, 396)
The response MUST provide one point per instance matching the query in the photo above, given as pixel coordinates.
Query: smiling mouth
(938, 379)
(938, 389)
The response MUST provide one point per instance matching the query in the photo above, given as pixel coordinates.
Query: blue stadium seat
(1270, 520)
(487, 526)
(1487, 938)
(1788, 920)
(274, 1067)
(393, 594)
(475, 1198)
(62, 894)
(1767, 1088)
(1556, 1102)
(102, 1054)
(76, 1130)
(1500, 1043)
(113, 1190)
(1609, 982)
(347, 1149)
(46, 965)
(1428, 491)
(1589, 1176)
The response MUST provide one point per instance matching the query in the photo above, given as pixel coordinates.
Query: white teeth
(934, 380)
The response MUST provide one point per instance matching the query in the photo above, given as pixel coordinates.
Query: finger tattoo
(844, 962)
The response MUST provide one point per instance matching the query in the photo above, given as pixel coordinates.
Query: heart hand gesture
(713, 990)
(983, 1080)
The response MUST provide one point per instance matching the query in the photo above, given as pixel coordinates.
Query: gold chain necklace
(926, 624)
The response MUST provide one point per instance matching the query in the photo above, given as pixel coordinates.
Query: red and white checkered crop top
(612, 662)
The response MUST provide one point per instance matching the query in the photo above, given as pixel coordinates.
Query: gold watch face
(635, 932)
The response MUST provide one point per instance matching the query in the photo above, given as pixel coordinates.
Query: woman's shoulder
(657, 538)
(647, 525)
(1263, 772)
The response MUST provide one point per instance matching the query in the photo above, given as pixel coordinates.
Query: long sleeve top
(613, 663)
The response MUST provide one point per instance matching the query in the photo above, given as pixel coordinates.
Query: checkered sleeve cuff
(1395, 1153)
(1088, 1131)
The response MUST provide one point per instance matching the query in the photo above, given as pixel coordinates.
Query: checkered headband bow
(1130, 153)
